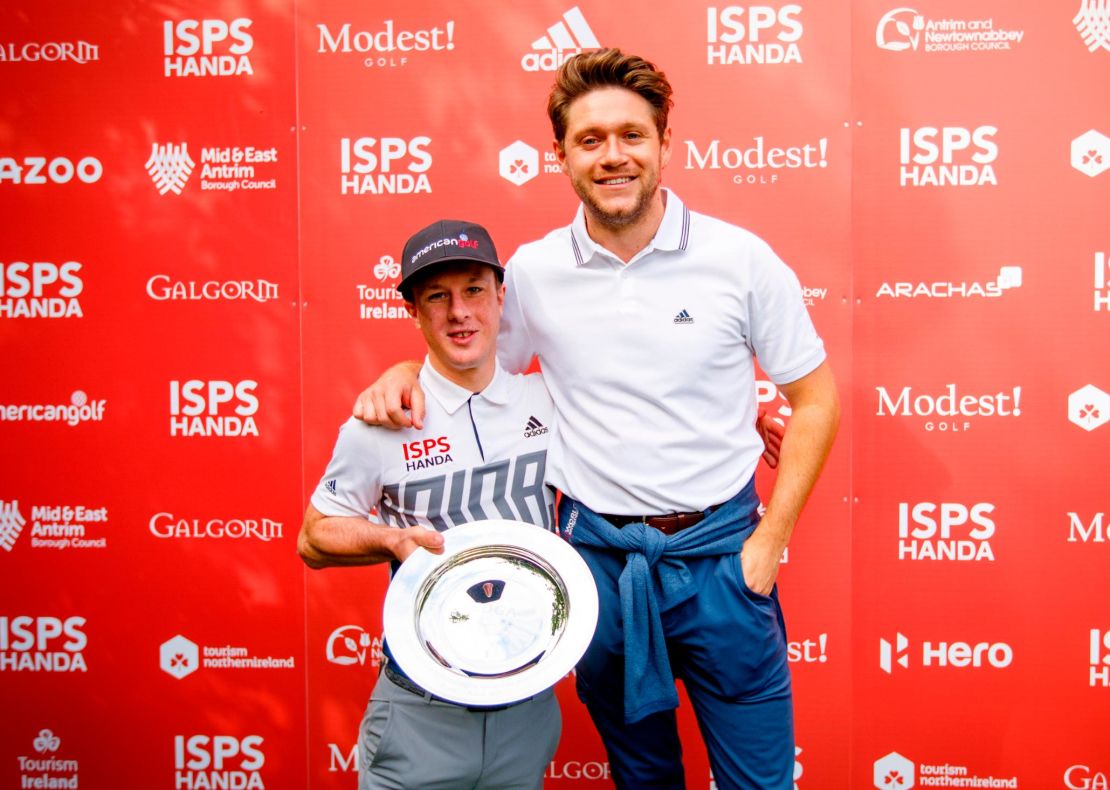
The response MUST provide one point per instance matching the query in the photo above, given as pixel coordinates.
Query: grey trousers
(408, 742)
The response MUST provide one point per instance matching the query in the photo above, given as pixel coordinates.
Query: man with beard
(647, 319)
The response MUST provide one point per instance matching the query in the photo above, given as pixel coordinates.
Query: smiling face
(614, 155)
(457, 306)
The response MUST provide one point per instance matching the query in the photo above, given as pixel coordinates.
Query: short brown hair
(605, 68)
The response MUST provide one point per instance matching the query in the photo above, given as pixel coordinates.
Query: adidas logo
(534, 428)
(684, 318)
(330, 485)
(569, 36)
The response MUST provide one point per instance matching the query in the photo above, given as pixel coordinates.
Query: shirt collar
(451, 396)
(673, 233)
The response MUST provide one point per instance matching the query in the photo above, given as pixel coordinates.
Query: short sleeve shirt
(479, 456)
(651, 363)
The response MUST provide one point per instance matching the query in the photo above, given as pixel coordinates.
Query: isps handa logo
(40, 289)
(385, 165)
(213, 408)
(943, 531)
(206, 762)
(42, 644)
(207, 47)
(756, 34)
(949, 156)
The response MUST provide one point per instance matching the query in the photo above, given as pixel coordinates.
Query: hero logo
(40, 290)
(427, 452)
(998, 655)
(753, 34)
(368, 165)
(59, 170)
(1100, 658)
(1083, 777)
(925, 531)
(1095, 532)
(385, 42)
(948, 405)
(205, 761)
(207, 47)
(948, 156)
(349, 645)
(42, 644)
(195, 408)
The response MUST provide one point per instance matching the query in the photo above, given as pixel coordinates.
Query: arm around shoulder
(385, 401)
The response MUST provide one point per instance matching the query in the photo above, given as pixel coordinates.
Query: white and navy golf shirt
(479, 456)
(651, 364)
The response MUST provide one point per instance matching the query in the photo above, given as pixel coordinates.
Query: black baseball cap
(447, 240)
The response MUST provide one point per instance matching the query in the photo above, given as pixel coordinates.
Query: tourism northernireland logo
(895, 772)
(181, 657)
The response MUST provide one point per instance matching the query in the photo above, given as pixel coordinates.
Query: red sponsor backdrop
(203, 206)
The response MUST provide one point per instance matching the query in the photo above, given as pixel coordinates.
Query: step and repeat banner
(203, 208)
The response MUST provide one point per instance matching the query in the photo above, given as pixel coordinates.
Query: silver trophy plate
(503, 613)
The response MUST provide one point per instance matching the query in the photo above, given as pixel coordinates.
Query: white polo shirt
(478, 456)
(651, 363)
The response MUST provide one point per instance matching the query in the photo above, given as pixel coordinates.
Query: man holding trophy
(481, 454)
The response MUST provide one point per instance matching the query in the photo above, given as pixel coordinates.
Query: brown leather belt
(668, 524)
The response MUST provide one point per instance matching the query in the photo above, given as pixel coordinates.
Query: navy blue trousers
(728, 645)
